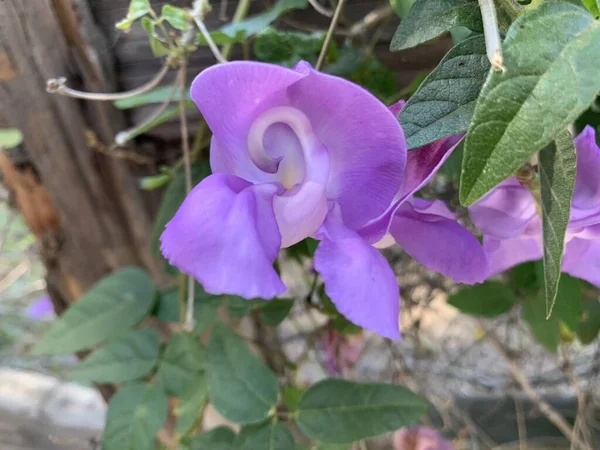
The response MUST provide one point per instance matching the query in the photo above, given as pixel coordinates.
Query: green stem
(513, 8)
(240, 12)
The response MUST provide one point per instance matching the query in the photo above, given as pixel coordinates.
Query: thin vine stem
(330, 31)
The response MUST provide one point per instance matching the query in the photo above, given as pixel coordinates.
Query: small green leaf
(286, 48)
(113, 305)
(178, 18)
(124, 359)
(240, 31)
(135, 415)
(545, 331)
(444, 103)
(489, 299)
(126, 136)
(158, 95)
(430, 18)
(154, 181)
(190, 408)
(172, 200)
(269, 436)
(340, 411)
(137, 9)
(220, 438)
(241, 387)
(158, 47)
(589, 323)
(550, 79)
(275, 311)
(10, 137)
(181, 363)
(558, 168)
(291, 395)
(593, 6)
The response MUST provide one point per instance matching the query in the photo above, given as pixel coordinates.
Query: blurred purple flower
(420, 438)
(512, 228)
(295, 154)
(41, 309)
(341, 351)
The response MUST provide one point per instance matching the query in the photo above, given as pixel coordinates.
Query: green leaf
(154, 181)
(291, 395)
(344, 326)
(239, 31)
(374, 76)
(241, 387)
(220, 438)
(135, 415)
(558, 168)
(181, 363)
(589, 324)
(10, 137)
(269, 436)
(550, 79)
(178, 18)
(322, 446)
(402, 7)
(190, 408)
(172, 200)
(275, 311)
(444, 103)
(489, 299)
(158, 47)
(158, 95)
(340, 411)
(525, 277)
(113, 305)
(430, 18)
(206, 308)
(124, 359)
(545, 331)
(593, 6)
(126, 136)
(567, 307)
(286, 48)
(137, 9)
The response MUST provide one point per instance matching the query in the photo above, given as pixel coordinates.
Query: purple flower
(420, 438)
(295, 154)
(41, 309)
(512, 228)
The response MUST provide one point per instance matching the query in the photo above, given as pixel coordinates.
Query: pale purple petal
(230, 97)
(502, 254)
(366, 146)
(358, 279)
(225, 236)
(397, 107)
(41, 309)
(587, 185)
(429, 233)
(421, 166)
(582, 260)
(420, 438)
(506, 212)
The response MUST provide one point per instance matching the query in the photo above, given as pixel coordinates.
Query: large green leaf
(191, 405)
(240, 31)
(558, 168)
(428, 19)
(241, 387)
(444, 103)
(269, 436)
(551, 77)
(181, 364)
(172, 200)
(339, 411)
(489, 299)
(124, 359)
(113, 305)
(220, 438)
(545, 331)
(135, 415)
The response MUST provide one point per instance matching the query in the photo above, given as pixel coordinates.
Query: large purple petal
(429, 233)
(225, 236)
(506, 212)
(502, 254)
(421, 166)
(582, 260)
(587, 185)
(358, 279)
(231, 96)
(366, 146)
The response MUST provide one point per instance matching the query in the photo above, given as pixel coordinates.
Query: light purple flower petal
(231, 96)
(421, 166)
(429, 232)
(225, 236)
(506, 212)
(502, 254)
(420, 438)
(582, 260)
(587, 185)
(358, 279)
(365, 142)
(41, 308)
